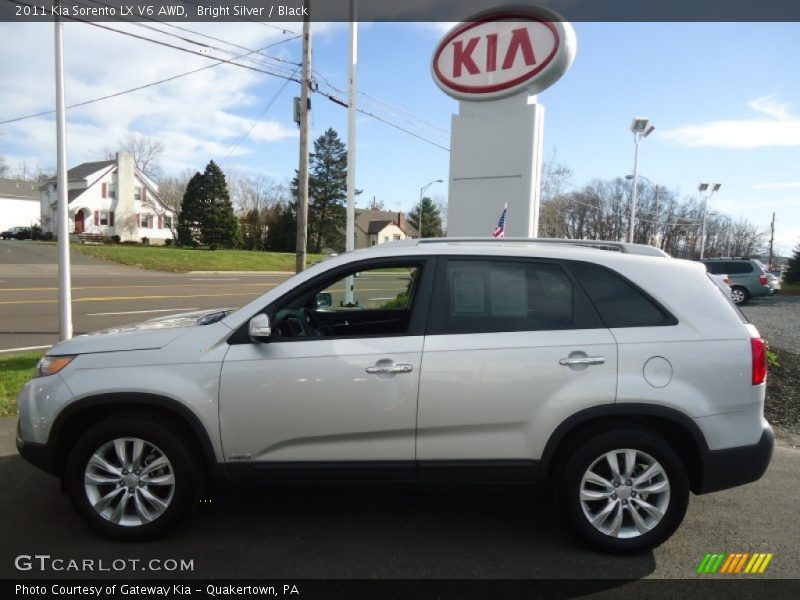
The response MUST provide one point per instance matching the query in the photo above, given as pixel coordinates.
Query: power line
(128, 91)
(257, 120)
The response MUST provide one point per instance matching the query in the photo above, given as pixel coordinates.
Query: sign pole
(351, 147)
(64, 276)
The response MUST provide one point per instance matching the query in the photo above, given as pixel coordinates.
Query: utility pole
(350, 230)
(64, 276)
(305, 130)
(771, 239)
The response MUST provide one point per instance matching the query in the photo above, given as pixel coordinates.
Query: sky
(724, 97)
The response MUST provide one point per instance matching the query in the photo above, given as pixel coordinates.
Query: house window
(112, 190)
(385, 238)
(137, 193)
(146, 221)
(396, 237)
(103, 217)
(168, 221)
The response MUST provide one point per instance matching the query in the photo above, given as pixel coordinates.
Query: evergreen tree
(792, 273)
(220, 227)
(431, 219)
(190, 217)
(282, 229)
(327, 193)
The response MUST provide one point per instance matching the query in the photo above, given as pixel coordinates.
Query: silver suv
(494, 361)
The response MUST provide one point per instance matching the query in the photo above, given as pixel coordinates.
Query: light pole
(422, 191)
(709, 189)
(655, 219)
(641, 128)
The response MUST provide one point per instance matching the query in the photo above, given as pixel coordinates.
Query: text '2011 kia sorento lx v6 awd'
(493, 361)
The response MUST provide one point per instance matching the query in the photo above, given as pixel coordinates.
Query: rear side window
(487, 296)
(715, 267)
(619, 302)
(739, 267)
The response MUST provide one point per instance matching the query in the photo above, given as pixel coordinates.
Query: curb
(239, 272)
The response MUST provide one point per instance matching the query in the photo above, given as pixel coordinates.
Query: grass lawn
(15, 370)
(168, 258)
(792, 288)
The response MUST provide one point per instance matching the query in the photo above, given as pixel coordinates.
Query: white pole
(636, 138)
(351, 146)
(64, 278)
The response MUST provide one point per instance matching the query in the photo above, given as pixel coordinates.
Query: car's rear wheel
(739, 295)
(132, 478)
(624, 490)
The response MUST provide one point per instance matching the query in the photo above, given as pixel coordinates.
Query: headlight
(50, 365)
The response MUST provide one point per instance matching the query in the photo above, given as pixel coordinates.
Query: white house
(19, 203)
(107, 198)
(373, 227)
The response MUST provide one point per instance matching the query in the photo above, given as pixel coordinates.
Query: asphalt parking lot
(355, 532)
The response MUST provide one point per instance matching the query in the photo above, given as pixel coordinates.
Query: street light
(706, 191)
(655, 188)
(422, 191)
(641, 128)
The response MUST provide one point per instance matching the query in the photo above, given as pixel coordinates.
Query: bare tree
(146, 152)
(4, 168)
(171, 189)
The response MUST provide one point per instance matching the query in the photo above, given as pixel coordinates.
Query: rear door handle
(582, 360)
(380, 369)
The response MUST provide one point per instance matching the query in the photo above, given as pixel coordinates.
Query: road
(103, 295)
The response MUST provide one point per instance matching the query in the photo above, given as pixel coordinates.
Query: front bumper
(723, 469)
(39, 455)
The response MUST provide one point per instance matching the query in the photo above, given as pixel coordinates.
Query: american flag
(500, 230)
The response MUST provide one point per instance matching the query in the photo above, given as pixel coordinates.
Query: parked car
(16, 233)
(748, 277)
(723, 282)
(582, 369)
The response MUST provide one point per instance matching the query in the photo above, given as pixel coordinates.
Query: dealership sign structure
(495, 63)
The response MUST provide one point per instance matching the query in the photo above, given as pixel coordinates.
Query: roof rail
(624, 247)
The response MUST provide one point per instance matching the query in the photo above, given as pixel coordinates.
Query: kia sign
(502, 52)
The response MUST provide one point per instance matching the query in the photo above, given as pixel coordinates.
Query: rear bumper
(723, 469)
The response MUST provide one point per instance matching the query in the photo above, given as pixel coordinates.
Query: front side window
(379, 303)
(495, 296)
(103, 217)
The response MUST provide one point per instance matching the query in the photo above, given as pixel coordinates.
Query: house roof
(377, 226)
(83, 170)
(19, 188)
(364, 218)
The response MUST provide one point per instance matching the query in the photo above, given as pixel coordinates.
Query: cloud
(777, 126)
(197, 117)
(777, 185)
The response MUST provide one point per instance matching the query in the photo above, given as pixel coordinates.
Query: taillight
(763, 279)
(759, 351)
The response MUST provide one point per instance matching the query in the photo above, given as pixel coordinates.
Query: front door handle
(389, 369)
(582, 360)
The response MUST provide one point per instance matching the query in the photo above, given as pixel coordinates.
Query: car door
(513, 348)
(336, 383)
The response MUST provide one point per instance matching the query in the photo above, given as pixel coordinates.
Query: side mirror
(259, 328)
(324, 300)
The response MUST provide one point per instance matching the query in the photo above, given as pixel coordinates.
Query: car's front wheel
(624, 490)
(132, 478)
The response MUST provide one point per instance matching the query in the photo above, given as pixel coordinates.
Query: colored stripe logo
(730, 564)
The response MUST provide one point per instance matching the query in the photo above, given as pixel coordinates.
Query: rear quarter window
(619, 302)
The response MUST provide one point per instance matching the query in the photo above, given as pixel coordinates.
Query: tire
(171, 477)
(639, 529)
(739, 295)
